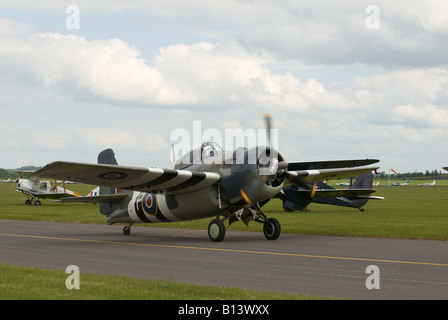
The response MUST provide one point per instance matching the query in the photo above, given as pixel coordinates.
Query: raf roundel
(113, 175)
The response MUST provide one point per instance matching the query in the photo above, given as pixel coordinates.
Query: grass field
(407, 212)
(35, 284)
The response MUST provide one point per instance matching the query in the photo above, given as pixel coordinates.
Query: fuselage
(242, 184)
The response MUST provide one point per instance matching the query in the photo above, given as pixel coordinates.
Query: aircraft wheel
(37, 203)
(127, 231)
(28, 202)
(216, 230)
(271, 229)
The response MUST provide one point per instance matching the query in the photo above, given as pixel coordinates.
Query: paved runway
(325, 266)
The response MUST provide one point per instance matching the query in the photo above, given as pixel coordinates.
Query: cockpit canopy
(205, 153)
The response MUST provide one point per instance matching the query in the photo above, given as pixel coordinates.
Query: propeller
(270, 171)
(282, 165)
(268, 125)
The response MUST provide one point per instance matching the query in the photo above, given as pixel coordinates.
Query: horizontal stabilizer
(334, 193)
(110, 198)
(370, 197)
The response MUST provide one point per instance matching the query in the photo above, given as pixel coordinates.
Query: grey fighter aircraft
(206, 182)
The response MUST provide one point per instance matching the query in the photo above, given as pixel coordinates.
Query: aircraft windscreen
(199, 154)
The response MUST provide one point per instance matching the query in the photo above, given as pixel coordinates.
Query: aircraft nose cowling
(256, 190)
(257, 180)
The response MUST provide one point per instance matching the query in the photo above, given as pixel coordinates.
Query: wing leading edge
(326, 174)
(154, 180)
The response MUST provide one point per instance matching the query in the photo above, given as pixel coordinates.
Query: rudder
(107, 157)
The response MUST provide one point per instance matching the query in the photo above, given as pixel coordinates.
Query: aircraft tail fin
(364, 181)
(108, 157)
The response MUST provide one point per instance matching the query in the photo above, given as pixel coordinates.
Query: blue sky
(136, 71)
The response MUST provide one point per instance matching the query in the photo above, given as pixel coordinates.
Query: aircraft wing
(154, 180)
(331, 164)
(313, 175)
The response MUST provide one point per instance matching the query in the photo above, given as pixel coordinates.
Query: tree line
(433, 174)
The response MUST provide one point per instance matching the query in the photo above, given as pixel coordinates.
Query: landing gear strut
(34, 200)
(271, 226)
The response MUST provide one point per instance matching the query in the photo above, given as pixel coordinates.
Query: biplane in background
(36, 189)
(206, 182)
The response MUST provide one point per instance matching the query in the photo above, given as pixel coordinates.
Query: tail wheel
(271, 229)
(216, 230)
(127, 230)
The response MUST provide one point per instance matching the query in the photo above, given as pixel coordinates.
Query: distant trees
(433, 174)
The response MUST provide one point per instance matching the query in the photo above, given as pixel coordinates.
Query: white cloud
(180, 74)
(254, 64)
(98, 69)
(315, 32)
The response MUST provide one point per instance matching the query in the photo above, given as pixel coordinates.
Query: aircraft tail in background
(296, 198)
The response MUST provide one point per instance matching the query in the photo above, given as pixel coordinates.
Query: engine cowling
(255, 175)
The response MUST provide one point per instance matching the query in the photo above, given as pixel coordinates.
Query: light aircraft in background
(343, 184)
(428, 184)
(35, 189)
(399, 184)
(206, 182)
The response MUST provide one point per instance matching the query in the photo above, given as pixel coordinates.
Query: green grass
(35, 284)
(407, 212)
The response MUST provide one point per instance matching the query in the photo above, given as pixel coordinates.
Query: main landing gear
(34, 200)
(271, 226)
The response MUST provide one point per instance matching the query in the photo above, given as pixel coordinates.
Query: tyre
(271, 229)
(216, 230)
(127, 231)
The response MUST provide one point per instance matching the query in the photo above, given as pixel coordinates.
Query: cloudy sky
(342, 79)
